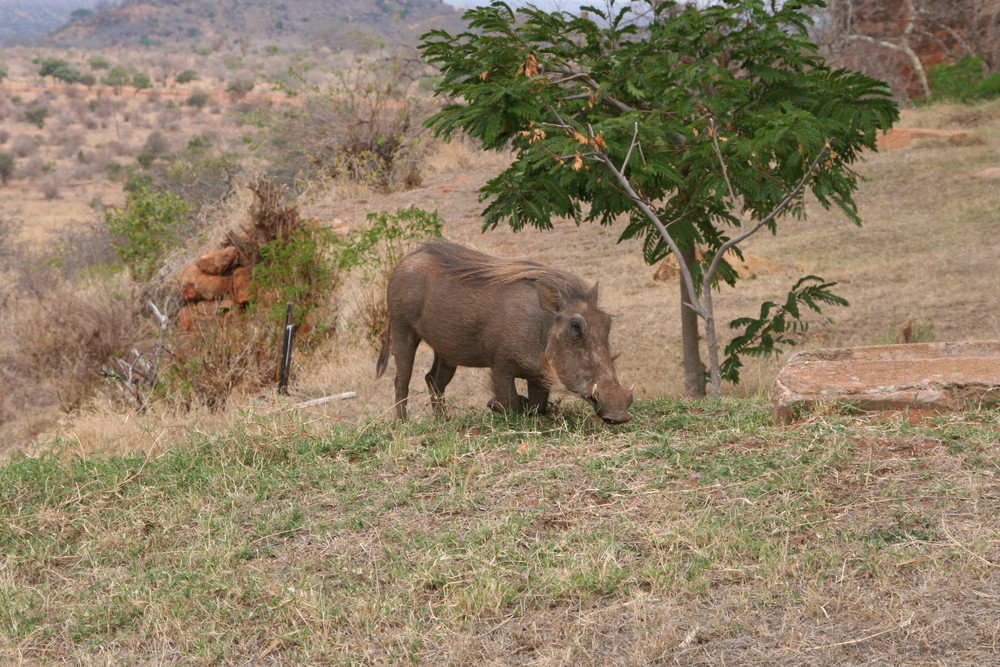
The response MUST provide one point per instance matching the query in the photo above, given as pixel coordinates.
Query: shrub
(187, 76)
(156, 144)
(49, 187)
(199, 143)
(239, 88)
(147, 227)
(965, 80)
(202, 181)
(197, 100)
(145, 160)
(63, 336)
(99, 62)
(365, 128)
(291, 257)
(117, 77)
(375, 249)
(291, 261)
(297, 269)
(141, 81)
(36, 116)
(23, 146)
(222, 355)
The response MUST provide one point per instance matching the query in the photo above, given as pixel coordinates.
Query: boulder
(218, 262)
(213, 288)
(942, 377)
(241, 284)
(186, 278)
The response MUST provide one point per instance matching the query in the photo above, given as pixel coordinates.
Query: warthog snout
(612, 403)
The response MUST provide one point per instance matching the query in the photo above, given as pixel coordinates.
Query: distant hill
(287, 24)
(22, 21)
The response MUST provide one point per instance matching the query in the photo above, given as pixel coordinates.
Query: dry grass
(697, 534)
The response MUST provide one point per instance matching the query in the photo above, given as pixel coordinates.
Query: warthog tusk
(632, 388)
(593, 391)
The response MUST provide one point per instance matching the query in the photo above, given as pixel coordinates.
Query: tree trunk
(694, 369)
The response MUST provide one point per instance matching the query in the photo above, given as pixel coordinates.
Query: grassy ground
(697, 534)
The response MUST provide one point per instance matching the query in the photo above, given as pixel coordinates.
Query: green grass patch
(381, 543)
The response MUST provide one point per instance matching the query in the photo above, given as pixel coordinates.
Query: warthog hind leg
(438, 378)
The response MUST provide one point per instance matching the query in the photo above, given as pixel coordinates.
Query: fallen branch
(326, 399)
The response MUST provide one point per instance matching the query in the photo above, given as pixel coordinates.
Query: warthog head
(578, 353)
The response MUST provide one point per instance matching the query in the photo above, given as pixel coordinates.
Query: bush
(147, 227)
(141, 81)
(365, 128)
(292, 261)
(49, 187)
(965, 80)
(187, 76)
(202, 181)
(298, 270)
(36, 116)
(156, 144)
(61, 336)
(197, 100)
(375, 250)
(239, 88)
(24, 146)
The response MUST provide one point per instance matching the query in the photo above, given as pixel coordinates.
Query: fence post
(286, 351)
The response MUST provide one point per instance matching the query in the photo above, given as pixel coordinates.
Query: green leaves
(146, 228)
(777, 325)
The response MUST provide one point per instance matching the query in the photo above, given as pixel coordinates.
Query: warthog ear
(592, 297)
(549, 297)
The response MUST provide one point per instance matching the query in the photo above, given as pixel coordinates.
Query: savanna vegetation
(160, 502)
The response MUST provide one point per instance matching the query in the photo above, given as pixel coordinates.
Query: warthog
(518, 318)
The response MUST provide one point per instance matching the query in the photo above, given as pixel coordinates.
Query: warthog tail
(383, 355)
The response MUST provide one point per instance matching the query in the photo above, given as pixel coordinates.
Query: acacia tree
(700, 126)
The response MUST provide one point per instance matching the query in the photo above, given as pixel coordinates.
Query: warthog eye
(576, 326)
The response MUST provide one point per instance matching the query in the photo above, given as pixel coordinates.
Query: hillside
(20, 21)
(289, 25)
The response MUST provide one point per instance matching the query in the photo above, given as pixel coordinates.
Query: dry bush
(457, 155)
(81, 246)
(49, 186)
(232, 353)
(32, 169)
(364, 128)
(24, 146)
(58, 334)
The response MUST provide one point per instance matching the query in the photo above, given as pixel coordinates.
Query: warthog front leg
(538, 398)
(505, 398)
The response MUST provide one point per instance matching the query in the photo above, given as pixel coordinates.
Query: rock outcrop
(215, 283)
(927, 376)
